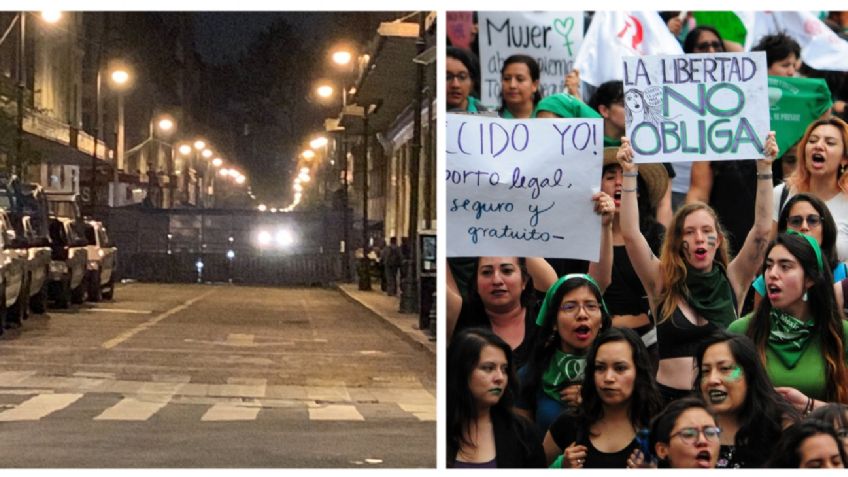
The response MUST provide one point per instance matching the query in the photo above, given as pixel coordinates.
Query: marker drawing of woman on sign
(640, 107)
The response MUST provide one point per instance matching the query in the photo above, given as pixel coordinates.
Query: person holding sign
(570, 318)
(798, 330)
(504, 295)
(482, 430)
(694, 287)
(519, 87)
(821, 171)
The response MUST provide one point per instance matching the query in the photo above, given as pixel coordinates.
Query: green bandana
(549, 296)
(564, 369)
(710, 295)
(789, 337)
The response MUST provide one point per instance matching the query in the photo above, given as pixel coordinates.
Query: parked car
(26, 207)
(68, 262)
(13, 262)
(102, 262)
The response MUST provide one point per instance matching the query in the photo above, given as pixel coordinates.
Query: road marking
(11, 378)
(153, 321)
(238, 339)
(425, 413)
(328, 393)
(39, 406)
(127, 311)
(134, 408)
(231, 412)
(334, 412)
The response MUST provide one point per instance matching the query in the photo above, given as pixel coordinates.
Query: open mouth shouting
(717, 396)
(817, 160)
(700, 253)
(774, 292)
(616, 197)
(704, 459)
(583, 333)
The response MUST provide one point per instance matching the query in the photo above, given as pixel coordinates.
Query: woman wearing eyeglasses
(463, 72)
(569, 319)
(685, 435)
(822, 165)
(807, 214)
(619, 397)
(798, 330)
(735, 386)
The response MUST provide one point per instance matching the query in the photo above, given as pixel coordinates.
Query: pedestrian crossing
(25, 396)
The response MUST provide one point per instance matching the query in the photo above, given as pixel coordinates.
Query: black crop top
(677, 337)
(625, 295)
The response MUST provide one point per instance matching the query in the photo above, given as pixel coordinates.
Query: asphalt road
(214, 376)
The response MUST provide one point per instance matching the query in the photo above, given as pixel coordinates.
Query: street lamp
(342, 57)
(308, 154)
(120, 81)
(325, 90)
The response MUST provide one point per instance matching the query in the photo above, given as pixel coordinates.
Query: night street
(215, 376)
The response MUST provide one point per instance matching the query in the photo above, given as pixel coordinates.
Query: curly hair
(777, 47)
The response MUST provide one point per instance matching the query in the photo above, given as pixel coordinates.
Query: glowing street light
(120, 77)
(206, 153)
(217, 162)
(325, 91)
(342, 57)
(308, 154)
(166, 124)
(318, 142)
(51, 16)
(199, 145)
(262, 207)
(240, 180)
(185, 149)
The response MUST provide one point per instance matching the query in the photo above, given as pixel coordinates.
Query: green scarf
(710, 295)
(789, 336)
(564, 369)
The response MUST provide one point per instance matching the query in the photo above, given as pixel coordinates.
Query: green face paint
(735, 374)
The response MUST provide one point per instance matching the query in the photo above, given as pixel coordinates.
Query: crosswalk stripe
(39, 406)
(424, 412)
(334, 412)
(231, 412)
(134, 408)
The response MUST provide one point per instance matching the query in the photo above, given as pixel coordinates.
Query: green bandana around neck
(788, 336)
(710, 295)
(565, 369)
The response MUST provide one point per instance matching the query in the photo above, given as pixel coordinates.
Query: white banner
(696, 107)
(523, 187)
(552, 38)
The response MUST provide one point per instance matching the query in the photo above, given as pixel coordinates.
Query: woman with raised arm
(694, 287)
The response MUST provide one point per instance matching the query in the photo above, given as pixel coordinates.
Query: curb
(397, 330)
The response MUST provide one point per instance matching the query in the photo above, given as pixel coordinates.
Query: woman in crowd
(807, 214)
(619, 397)
(736, 388)
(809, 444)
(821, 171)
(798, 330)
(625, 296)
(684, 435)
(838, 415)
(519, 87)
(463, 72)
(570, 318)
(483, 432)
(504, 295)
(782, 54)
(693, 287)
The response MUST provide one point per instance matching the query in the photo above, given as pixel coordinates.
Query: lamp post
(120, 79)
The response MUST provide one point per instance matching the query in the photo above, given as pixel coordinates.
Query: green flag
(728, 24)
(794, 103)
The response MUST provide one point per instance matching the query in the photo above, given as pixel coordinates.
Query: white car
(102, 261)
(69, 259)
(13, 266)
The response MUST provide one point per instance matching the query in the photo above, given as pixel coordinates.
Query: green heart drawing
(564, 27)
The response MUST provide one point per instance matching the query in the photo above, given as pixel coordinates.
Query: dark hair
(828, 243)
(648, 225)
(777, 47)
(607, 94)
(692, 38)
(827, 316)
(786, 451)
(463, 355)
(548, 340)
(535, 73)
(469, 60)
(663, 423)
(763, 411)
(645, 401)
(832, 413)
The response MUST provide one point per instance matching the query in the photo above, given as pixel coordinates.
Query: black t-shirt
(471, 315)
(566, 430)
(733, 195)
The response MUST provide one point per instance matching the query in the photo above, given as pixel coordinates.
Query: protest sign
(523, 187)
(696, 107)
(552, 38)
(458, 26)
(795, 103)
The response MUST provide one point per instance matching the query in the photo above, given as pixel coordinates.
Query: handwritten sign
(523, 187)
(552, 38)
(697, 107)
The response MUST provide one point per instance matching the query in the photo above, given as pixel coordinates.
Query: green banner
(727, 23)
(794, 103)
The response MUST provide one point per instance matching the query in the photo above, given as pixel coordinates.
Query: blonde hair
(799, 181)
(672, 262)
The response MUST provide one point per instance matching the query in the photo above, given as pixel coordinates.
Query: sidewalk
(386, 307)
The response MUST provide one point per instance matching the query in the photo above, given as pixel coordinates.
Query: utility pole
(17, 166)
(365, 263)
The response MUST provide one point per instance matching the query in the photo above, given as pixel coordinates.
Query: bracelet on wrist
(629, 190)
(764, 175)
(630, 174)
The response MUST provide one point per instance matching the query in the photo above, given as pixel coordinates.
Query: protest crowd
(678, 296)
